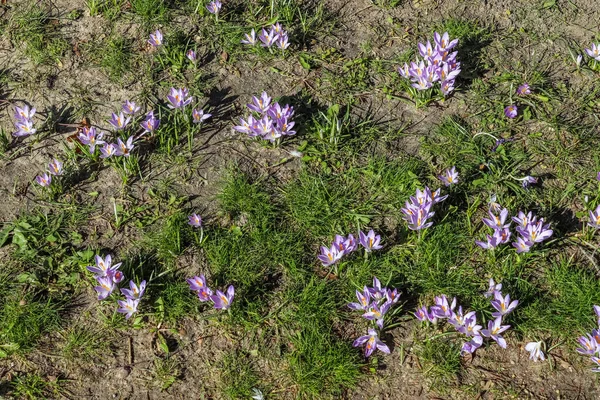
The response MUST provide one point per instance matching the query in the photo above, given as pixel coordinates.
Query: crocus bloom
(156, 39)
(223, 300)
(422, 314)
(195, 220)
(105, 287)
(150, 123)
(364, 299)
(495, 328)
(535, 351)
(119, 121)
(523, 220)
(597, 311)
(44, 180)
(528, 181)
(134, 292)
(124, 148)
(191, 55)
(24, 128)
(260, 104)
(377, 313)
(103, 265)
(578, 60)
(179, 98)
(449, 177)
(503, 305)
(199, 116)
(417, 215)
(108, 150)
(214, 7)
(329, 256)
(523, 90)
(250, 38)
(128, 307)
(129, 107)
(25, 113)
(472, 345)
(372, 342)
(523, 245)
(588, 347)
(594, 51)
(493, 288)
(511, 111)
(537, 232)
(490, 243)
(502, 236)
(89, 137)
(204, 294)
(441, 309)
(370, 241)
(443, 42)
(458, 320)
(597, 361)
(497, 222)
(282, 42)
(267, 38)
(471, 328)
(55, 167)
(197, 283)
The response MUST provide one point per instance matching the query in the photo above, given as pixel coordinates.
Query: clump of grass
(115, 57)
(166, 372)
(441, 361)
(175, 302)
(238, 375)
(34, 386)
(82, 342)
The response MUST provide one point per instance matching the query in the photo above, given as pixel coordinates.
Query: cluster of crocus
(590, 343)
(55, 168)
(276, 35)
(24, 121)
(179, 98)
(529, 228)
(438, 65)
(374, 302)
(466, 323)
(108, 277)
(342, 246)
(417, 210)
(269, 121)
(220, 300)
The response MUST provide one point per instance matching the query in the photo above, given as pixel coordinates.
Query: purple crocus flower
(129, 107)
(370, 241)
(490, 243)
(597, 311)
(199, 116)
(535, 351)
(503, 305)
(537, 232)
(55, 167)
(373, 342)
(260, 104)
(134, 292)
(594, 51)
(417, 215)
(528, 181)
(422, 314)
(223, 300)
(119, 121)
(44, 180)
(24, 128)
(471, 328)
(282, 41)
(597, 361)
(472, 345)
(459, 320)
(128, 307)
(443, 42)
(497, 222)
(214, 7)
(493, 288)
(523, 245)
(392, 296)
(24, 113)
(105, 287)
(588, 347)
(108, 150)
(495, 328)
(523, 220)
(449, 177)
(150, 123)
(192, 56)
(364, 299)
(502, 236)
(250, 38)
(268, 38)
(124, 148)
(195, 220)
(442, 309)
(179, 98)
(205, 294)
(156, 39)
(377, 292)
(102, 265)
(89, 137)
(377, 313)
(511, 111)
(197, 283)
(523, 90)
(329, 256)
